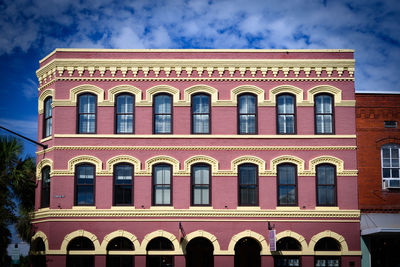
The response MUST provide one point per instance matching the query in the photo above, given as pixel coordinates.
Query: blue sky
(32, 29)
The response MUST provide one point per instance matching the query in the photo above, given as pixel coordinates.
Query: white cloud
(27, 128)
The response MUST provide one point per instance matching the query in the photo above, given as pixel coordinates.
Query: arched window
(117, 251)
(84, 184)
(158, 258)
(390, 166)
(287, 185)
(199, 253)
(201, 110)
(124, 114)
(287, 244)
(162, 111)
(286, 114)
(247, 114)
(248, 185)
(162, 185)
(324, 114)
(38, 253)
(123, 184)
(87, 109)
(47, 117)
(45, 190)
(247, 253)
(201, 185)
(76, 255)
(327, 244)
(326, 185)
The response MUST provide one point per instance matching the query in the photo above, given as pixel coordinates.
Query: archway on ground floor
(327, 245)
(160, 253)
(247, 253)
(199, 253)
(281, 256)
(38, 250)
(80, 252)
(119, 253)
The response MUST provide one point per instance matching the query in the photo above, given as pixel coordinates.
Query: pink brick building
(183, 158)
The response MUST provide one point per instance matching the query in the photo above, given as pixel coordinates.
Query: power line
(26, 138)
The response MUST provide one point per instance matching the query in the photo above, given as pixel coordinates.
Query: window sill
(46, 139)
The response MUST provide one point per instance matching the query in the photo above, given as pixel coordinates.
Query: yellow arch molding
(248, 233)
(122, 159)
(286, 89)
(124, 89)
(201, 159)
(200, 233)
(326, 159)
(79, 233)
(162, 89)
(328, 233)
(247, 89)
(162, 159)
(202, 88)
(161, 233)
(248, 159)
(46, 93)
(40, 234)
(74, 92)
(336, 92)
(119, 233)
(41, 164)
(298, 237)
(84, 159)
(287, 159)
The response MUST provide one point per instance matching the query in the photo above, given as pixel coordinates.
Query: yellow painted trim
(161, 233)
(122, 159)
(247, 89)
(336, 92)
(161, 159)
(298, 237)
(201, 233)
(84, 88)
(247, 159)
(201, 88)
(46, 93)
(41, 164)
(327, 159)
(46, 139)
(82, 159)
(286, 89)
(201, 159)
(328, 233)
(248, 233)
(124, 89)
(162, 89)
(287, 159)
(40, 234)
(79, 233)
(120, 233)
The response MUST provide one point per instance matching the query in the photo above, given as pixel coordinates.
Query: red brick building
(378, 142)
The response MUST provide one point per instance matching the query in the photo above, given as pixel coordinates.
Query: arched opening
(199, 253)
(80, 252)
(158, 253)
(117, 250)
(287, 244)
(327, 244)
(38, 250)
(247, 253)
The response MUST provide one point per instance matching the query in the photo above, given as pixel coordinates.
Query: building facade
(196, 158)
(378, 141)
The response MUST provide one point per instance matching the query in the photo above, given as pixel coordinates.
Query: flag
(181, 233)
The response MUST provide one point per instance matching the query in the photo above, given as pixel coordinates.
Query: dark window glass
(80, 243)
(124, 113)
(391, 165)
(38, 250)
(160, 244)
(123, 184)
(247, 114)
(324, 120)
(287, 183)
(87, 113)
(201, 114)
(162, 110)
(286, 111)
(199, 252)
(162, 184)
(120, 243)
(84, 181)
(248, 185)
(326, 185)
(327, 244)
(48, 117)
(288, 244)
(326, 261)
(247, 253)
(45, 194)
(201, 181)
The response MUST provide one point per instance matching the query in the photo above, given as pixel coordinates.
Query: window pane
(125, 104)
(123, 174)
(48, 127)
(247, 124)
(85, 195)
(395, 173)
(162, 104)
(327, 123)
(386, 152)
(87, 123)
(200, 123)
(386, 173)
(395, 153)
(327, 104)
(395, 162)
(248, 174)
(201, 175)
(201, 104)
(163, 124)
(247, 104)
(125, 123)
(158, 195)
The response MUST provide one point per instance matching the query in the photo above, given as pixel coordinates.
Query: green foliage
(17, 183)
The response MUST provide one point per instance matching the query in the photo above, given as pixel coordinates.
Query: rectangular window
(48, 117)
(324, 119)
(287, 185)
(286, 114)
(162, 110)
(162, 185)
(45, 194)
(87, 113)
(200, 114)
(248, 185)
(390, 124)
(124, 114)
(84, 181)
(247, 114)
(326, 185)
(123, 184)
(391, 166)
(201, 185)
